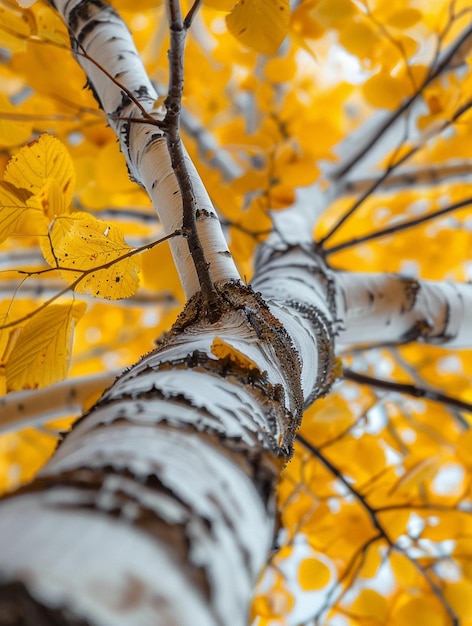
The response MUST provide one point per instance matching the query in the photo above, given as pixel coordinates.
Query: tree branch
(381, 532)
(421, 176)
(407, 389)
(33, 408)
(171, 127)
(391, 168)
(395, 228)
(447, 60)
(394, 309)
(119, 81)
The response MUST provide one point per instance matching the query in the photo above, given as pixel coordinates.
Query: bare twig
(192, 13)
(393, 166)
(381, 532)
(171, 126)
(427, 175)
(360, 201)
(395, 228)
(440, 64)
(407, 389)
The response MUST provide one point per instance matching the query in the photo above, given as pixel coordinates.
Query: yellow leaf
(372, 560)
(15, 27)
(360, 38)
(424, 610)
(80, 245)
(385, 91)
(334, 12)
(220, 5)
(359, 458)
(49, 25)
(459, 596)
(464, 448)
(50, 200)
(404, 570)
(40, 356)
(13, 132)
(327, 419)
(223, 350)
(260, 24)
(370, 605)
(280, 69)
(313, 574)
(43, 159)
(8, 336)
(13, 204)
(303, 25)
(417, 476)
(405, 18)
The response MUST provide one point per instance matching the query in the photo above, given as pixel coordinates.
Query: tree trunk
(158, 507)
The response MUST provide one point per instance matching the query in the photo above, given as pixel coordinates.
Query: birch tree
(159, 505)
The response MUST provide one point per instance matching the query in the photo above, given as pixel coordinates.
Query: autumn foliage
(376, 504)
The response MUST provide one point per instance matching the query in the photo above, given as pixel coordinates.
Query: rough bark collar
(236, 297)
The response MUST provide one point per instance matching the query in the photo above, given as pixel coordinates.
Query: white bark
(104, 37)
(370, 309)
(157, 508)
(24, 409)
(171, 473)
(389, 308)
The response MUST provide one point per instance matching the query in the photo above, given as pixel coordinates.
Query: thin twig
(407, 389)
(389, 230)
(393, 166)
(171, 127)
(85, 273)
(360, 201)
(147, 118)
(340, 476)
(373, 514)
(192, 13)
(427, 175)
(439, 66)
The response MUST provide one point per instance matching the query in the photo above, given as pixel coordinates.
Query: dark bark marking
(19, 608)
(85, 10)
(411, 288)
